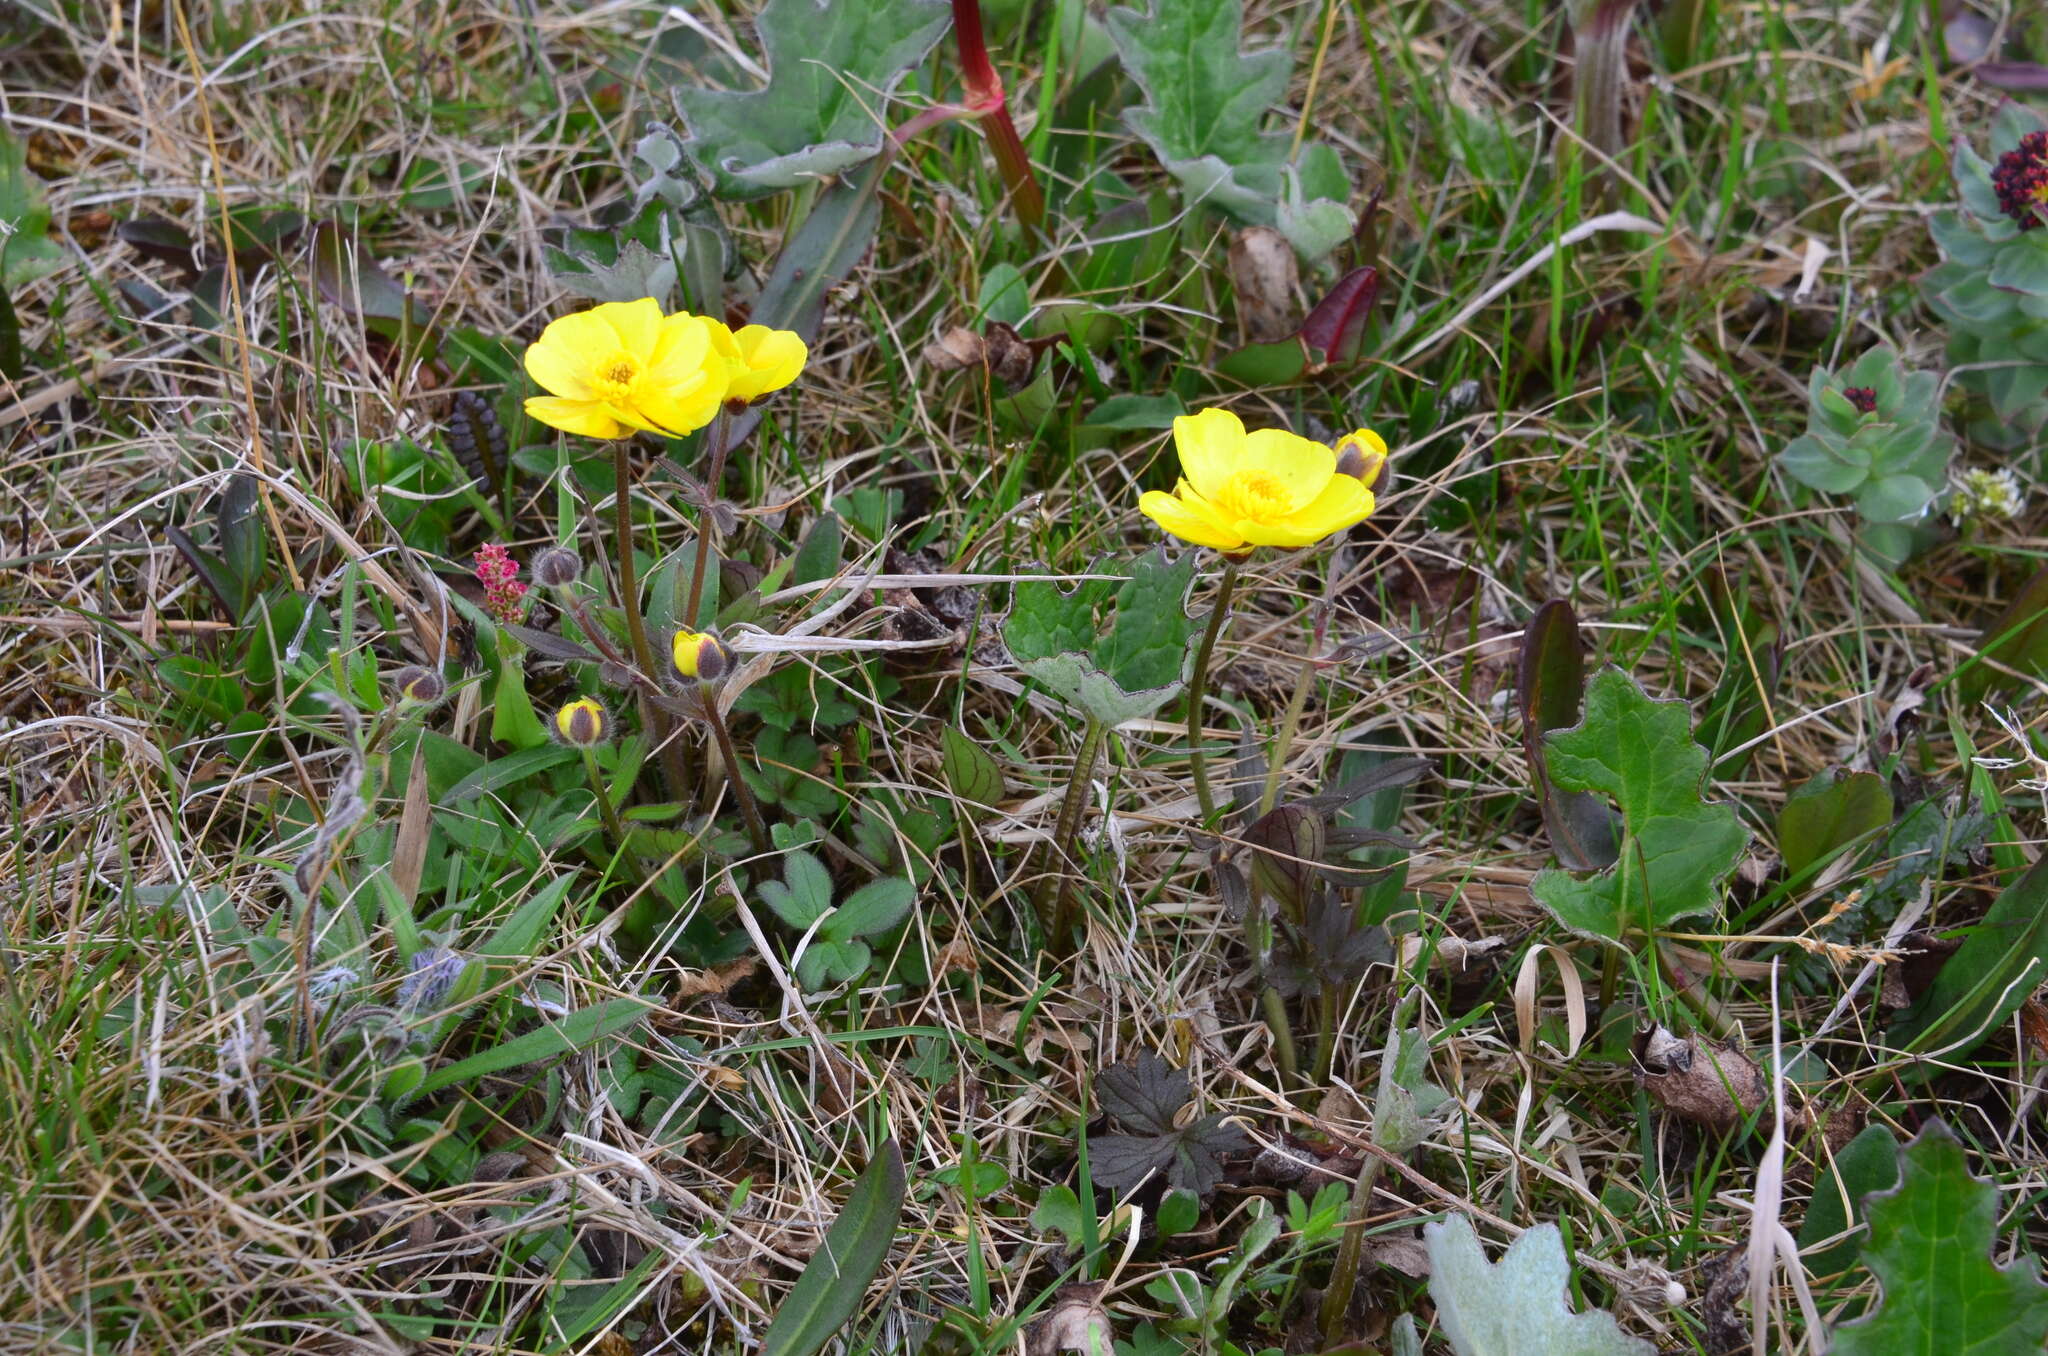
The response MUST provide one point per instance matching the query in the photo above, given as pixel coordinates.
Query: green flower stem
(707, 522)
(750, 810)
(605, 808)
(1198, 687)
(1060, 849)
(1328, 1008)
(1350, 1250)
(1290, 725)
(629, 583)
(1275, 1008)
(1258, 937)
(651, 716)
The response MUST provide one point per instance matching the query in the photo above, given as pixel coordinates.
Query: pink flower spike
(504, 595)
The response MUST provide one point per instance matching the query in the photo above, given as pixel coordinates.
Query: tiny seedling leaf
(829, 1292)
(1930, 1243)
(1515, 1307)
(1675, 846)
(829, 68)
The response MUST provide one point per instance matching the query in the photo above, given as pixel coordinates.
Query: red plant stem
(985, 97)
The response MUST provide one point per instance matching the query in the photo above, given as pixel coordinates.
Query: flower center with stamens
(1256, 495)
(613, 378)
(2021, 181)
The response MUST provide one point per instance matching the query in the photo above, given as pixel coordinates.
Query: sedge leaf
(579, 1030)
(1675, 847)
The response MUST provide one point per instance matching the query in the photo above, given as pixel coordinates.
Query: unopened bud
(700, 657)
(416, 684)
(1360, 455)
(557, 567)
(582, 724)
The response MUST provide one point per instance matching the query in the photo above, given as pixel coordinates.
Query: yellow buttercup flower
(758, 360)
(1270, 488)
(624, 365)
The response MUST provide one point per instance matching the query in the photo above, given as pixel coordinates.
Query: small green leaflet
(1675, 847)
(1515, 1307)
(1930, 1243)
(1134, 668)
(830, 66)
(1205, 103)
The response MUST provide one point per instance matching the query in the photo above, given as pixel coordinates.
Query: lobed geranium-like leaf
(1404, 1110)
(1131, 670)
(829, 65)
(1515, 1307)
(1205, 106)
(1930, 1243)
(1675, 847)
(26, 250)
(1147, 1095)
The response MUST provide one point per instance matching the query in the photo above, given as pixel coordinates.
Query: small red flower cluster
(2021, 181)
(504, 595)
(1864, 398)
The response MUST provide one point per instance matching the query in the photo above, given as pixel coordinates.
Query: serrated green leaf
(1515, 1307)
(1134, 668)
(803, 895)
(1206, 101)
(1930, 1243)
(1675, 846)
(833, 1283)
(829, 67)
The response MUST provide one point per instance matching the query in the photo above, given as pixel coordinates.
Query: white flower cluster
(1985, 494)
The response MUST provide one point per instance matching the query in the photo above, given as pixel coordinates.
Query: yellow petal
(771, 358)
(684, 407)
(586, 417)
(1210, 444)
(1343, 502)
(1370, 442)
(1182, 520)
(559, 360)
(637, 323)
(1300, 467)
(722, 342)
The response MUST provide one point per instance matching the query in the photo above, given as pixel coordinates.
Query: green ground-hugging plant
(1992, 291)
(1874, 432)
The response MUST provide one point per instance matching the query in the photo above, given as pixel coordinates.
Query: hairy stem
(1059, 884)
(605, 809)
(750, 810)
(707, 522)
(1290, 725)
(629, 582)
(1198, 688)
(1350, 1250)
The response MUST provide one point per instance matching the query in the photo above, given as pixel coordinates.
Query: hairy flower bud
(557, 567)
(1361, 455)
(699, 657)
(416, 684)
(582, 724)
